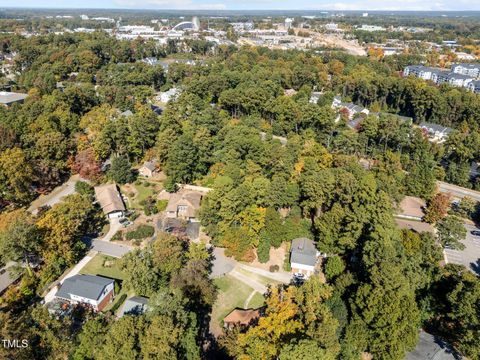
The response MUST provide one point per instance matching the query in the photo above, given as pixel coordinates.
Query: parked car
(475, 232)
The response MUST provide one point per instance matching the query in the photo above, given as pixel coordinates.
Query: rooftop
(7, 97)
(136, 305)
(86, 286)
(109, 198)
(242, 316)
(303, 251)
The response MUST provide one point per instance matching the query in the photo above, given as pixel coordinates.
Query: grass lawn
(232, 293)
(95, 267)
(256, 301)
(142, 192)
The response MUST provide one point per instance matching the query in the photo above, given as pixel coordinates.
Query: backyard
(107, 266)
(232, 294)
(140, 191)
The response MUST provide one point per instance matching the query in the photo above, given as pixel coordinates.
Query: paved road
(458, 191)
(430, 347)
(56, 195)
(470, 256)
(221, 264)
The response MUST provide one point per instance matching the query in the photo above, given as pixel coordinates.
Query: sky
(418, 5)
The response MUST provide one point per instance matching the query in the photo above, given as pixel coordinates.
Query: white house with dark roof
(435, 133)
(94, 291)
(303, 256)
(472, 70)
(351, 108)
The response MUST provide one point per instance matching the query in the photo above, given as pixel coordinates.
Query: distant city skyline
(367, 5)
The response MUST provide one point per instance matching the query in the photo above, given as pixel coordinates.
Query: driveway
(221, 264)
(56, 195)
(114, 227)
(281, 276)
(74, 271)
(109, 248)
(430, 347)
(470, 256)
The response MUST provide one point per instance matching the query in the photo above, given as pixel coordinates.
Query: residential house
(8, 98)
(435, 133)
(110, 200)
(303, 256)
(314, 97)
(290, 92)
(411, 208)
(350, 108)
(181, 228)
(183, 204)
(90, 290)
(167, 96)
(241, 317)
(136, 305)
(148, 169)
(472, 70)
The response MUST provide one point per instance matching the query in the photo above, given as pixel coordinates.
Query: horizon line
(213, 9)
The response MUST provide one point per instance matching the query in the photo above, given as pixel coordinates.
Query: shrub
(118, 236)
(274, 268)
(162, 205)
(118, 303)
(142, 232)
(84, 188)
(334, 266)
(263, 250)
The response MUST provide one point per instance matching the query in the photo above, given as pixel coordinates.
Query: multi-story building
(474, 86)
(472, 70)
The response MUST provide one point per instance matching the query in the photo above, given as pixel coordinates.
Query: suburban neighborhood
(233, 183)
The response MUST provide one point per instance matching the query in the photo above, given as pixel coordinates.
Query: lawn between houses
(143, 190)
(96, 266)
(232, 294)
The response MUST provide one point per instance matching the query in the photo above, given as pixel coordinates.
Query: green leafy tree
(121, 170)
(451, 232)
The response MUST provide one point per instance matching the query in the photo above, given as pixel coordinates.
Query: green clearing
(96, 267)
(256, 301)
(232, 293)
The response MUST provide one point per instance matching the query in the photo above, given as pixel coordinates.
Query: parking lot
(470, 256)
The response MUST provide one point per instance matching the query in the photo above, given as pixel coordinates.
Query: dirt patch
(277, 257)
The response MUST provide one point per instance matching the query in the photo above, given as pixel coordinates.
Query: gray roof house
(303, 256)
(436, 133)
(136, 305)
(8, 98)
(95, 291)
